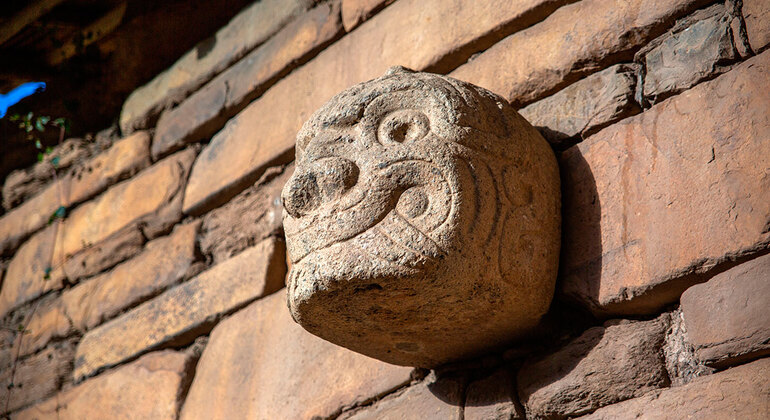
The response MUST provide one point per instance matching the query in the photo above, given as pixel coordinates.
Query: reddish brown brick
(354, 12)
(737, 393)
(181, 313)
(206, 111)
(656, 200)
(574, 41)
(756, 14)
(726, 317)
(149, 388)
(263, 133)
(260, 364)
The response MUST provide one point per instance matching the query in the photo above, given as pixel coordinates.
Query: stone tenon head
(422, 221)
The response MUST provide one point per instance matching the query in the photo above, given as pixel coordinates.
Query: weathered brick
(260, 364)
(179, 314)
(656, 200)
(29, 273)
(696, 49)
(603, 366)
(586, 106)
(354, 12)
(726, 317)
(249, 28)
(541, 59)
(206, 111)
(152, 199)
(738, 393)
(756, 14)
(36, 377)
(433, 398)
(263, 133)
(149, 388)
(86, 180)
(164, 262)
(250, 217)
(493, 398)
(96, 258)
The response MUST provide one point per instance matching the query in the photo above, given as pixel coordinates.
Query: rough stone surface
(631, 189)
(46, 321)
(152, 199)
(586, 106)
(682, 364)
(493, 398)
(756, 14)
(260, 364)
(35, 377)
(264, 132)
(354, 12)
(25, 278)
(537, 61)
(726, 317)
(184, 312)
(149, 388)
(431, 399)
(249, 28)
(738, 393)
(96, 258)
(85, 180)
(207, 110)
(692, 52)
(248, 218)
(422, 221)
(603, 366)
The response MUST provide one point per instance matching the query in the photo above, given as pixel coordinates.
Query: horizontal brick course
(354, 12)
(180, 314)
(264, 132)
(149, 388)
(206, 111)
(251, 27)
(576, 40)
(651, 202)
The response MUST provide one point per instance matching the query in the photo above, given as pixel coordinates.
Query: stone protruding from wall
(260, 364)
(737, 393)
(181, 313)
(148, 388)
(630, 189)
(756, 14)
(422, 221)
(603, 366)
(727, 317)
(248, 29)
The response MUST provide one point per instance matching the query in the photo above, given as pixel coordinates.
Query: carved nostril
(327, 180)
(301, 194)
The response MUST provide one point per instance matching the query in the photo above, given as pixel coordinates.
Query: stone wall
(142, 276)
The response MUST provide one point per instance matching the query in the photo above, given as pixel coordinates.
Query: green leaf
(48, 150)
(15, 117)
(40, 157)
(29, 127)
(44, 119)
(29, 116)
(38, 145)
(39, 125)
(55, 161)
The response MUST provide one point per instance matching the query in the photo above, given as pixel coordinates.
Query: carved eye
(327, 179)
(403, 125)
(413, 202)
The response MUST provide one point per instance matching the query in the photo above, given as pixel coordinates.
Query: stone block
(251, 27)
(422, 221)
(493, 398)
(686, 175)
(182, 313)
(603, 366)
(354, 12)
(263, 133)
(692, 52)
(726, 317)
(543, 58)
(585, 106)
(36, 377)
(46, 321)
(152, 199)
(87, 179)
(737, 393)
(260, 364)
(207, 110)
(250, 217)
(148, 388)
(96, 258)
(756, 15)
(431, 399)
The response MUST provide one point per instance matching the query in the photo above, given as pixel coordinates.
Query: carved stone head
(422, 221)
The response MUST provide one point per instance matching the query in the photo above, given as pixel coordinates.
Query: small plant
(31, 125)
